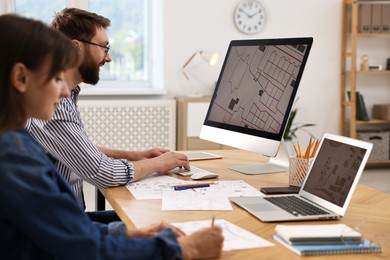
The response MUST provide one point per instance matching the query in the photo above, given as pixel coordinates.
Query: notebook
(318, 234)
(364, 247)
(327, 188)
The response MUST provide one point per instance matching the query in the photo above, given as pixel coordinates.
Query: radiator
(130, 124)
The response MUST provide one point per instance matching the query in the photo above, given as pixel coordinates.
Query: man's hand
(160, 164)
(151, 153)
(133, 155)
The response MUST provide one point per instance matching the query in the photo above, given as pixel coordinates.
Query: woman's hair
(34, 44)
(79, 24)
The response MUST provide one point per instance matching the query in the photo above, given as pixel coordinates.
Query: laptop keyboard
(296, 206)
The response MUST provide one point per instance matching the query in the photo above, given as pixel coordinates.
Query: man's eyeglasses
(106, 47)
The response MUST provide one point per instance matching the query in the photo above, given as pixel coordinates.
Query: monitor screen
(255, 92)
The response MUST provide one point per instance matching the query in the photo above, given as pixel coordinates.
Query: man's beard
(89, 71)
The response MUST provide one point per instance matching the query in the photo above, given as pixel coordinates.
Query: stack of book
(323, 240)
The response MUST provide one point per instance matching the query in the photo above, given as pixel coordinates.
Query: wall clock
(249, 16)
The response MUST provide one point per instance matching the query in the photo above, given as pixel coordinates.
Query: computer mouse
(203, 175)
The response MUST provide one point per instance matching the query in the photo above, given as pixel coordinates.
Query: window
(133, 24)
(35, 10)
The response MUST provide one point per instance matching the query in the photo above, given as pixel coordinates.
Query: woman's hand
(202, 244)
(153, 229)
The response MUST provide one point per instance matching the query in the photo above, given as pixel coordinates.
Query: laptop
(327, 189)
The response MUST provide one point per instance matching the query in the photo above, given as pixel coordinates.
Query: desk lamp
(196, 60)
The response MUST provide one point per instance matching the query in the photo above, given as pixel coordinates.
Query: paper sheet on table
(192, 199)
(235, 237)
(152, 187)
(235, 188)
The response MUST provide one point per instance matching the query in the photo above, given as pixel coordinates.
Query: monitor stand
(280, 163)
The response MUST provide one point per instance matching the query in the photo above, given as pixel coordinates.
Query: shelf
(374, 72)
(357, 1)
(373, 35)
(373, 122)
(351, 77)
(378, 163)
(371, 72)
(369, 1)
(365, 35)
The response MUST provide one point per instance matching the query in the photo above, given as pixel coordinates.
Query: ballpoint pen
(191, 186)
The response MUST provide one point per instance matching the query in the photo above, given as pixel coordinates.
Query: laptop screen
(334, 170)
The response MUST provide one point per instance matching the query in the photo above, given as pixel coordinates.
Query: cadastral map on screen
(269, 73)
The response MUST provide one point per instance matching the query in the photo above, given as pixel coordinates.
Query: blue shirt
(40, 217)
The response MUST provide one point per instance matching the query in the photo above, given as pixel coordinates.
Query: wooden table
(369, 210)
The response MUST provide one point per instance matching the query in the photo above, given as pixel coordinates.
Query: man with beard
(64, 137)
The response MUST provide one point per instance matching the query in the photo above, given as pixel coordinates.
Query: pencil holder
(298, 170)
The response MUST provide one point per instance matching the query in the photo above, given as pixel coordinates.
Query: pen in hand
(212, 221)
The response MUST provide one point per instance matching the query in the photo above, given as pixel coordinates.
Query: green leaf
(292, 128)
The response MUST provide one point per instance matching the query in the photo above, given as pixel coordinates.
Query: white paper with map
(235, 237)
(154, 186)
(193, 199)
(233, 188)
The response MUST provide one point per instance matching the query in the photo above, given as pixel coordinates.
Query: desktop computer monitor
(253, 97)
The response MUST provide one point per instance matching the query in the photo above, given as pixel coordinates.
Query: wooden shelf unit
(191, 112)
(350, 34)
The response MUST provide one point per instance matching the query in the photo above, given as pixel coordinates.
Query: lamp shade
(199, 72)
(210, 57)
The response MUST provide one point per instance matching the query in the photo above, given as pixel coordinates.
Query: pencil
(193, 183)
(206, 182)
(307, 153)
(299, 150)
(212, 221)
(315, 148)
(296, 150)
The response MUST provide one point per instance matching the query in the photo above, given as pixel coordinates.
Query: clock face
(249, 16)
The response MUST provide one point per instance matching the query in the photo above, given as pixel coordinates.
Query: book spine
(329, 240)
(361, 107)
(344, 251)
(366, 247)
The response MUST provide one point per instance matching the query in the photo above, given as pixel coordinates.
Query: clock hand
(250, 16)
(247, 14)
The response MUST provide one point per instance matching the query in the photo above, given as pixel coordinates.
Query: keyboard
(296, 206)
(183, 172)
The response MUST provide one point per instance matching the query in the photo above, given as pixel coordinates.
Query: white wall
(190, 25)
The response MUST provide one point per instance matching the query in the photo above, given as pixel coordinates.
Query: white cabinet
(191, 113)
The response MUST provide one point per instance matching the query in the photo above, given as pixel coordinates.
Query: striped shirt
(77, 158)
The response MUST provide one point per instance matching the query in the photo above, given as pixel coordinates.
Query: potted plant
(292, 128)
(290, 133)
